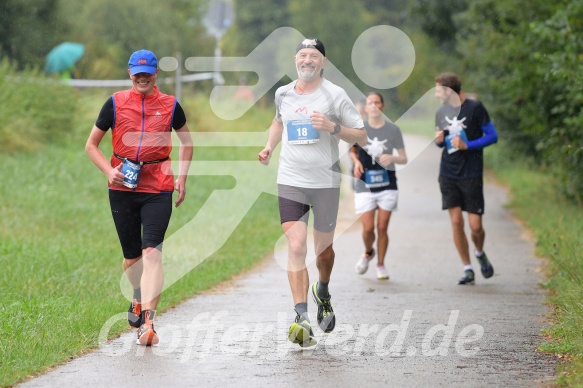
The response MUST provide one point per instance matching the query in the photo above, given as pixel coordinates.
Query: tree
(432, 30)
(437, 20)
(337, 26)
(527, 63)
(29, 29)
(497, 55)
(254, 21)
(558, 55)
(163, 27)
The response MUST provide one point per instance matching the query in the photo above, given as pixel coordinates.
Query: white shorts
(367, 201)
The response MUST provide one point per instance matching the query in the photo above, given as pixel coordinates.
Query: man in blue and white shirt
(463, 129)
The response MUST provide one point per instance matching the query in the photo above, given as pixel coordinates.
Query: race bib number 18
(302, 132)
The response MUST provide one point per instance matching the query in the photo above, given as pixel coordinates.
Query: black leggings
(131, 211)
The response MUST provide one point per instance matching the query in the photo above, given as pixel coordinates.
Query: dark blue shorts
(133, 212)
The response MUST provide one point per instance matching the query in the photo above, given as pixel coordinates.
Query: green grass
(34, 109)
(60, 255)
(557, 225)
(418, 126)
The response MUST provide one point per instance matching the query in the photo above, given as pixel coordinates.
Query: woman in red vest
(141, 181)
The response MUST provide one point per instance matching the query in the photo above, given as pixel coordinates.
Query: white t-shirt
(313, 165)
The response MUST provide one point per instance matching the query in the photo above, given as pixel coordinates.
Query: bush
(559, 55)
(34, 110)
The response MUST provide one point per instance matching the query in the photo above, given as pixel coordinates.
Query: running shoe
(146, 334)
(326, 317)
(468, 277)
(485, 266)
(135, 313)
(300, 332)
(382, 273)
(362, 264)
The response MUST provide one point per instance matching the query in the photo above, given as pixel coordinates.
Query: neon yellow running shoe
(300, 332)
(326, 317)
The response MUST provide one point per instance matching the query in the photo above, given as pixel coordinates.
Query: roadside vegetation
(556, 223)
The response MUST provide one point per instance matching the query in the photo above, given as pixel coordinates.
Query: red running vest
(142, 132)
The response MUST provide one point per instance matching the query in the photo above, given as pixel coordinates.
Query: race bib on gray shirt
(304, 162)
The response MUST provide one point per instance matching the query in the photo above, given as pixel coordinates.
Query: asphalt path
(417, 329)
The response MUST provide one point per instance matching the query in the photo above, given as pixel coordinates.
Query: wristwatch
(336, 129)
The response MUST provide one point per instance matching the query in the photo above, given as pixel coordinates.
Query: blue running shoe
(326, 317)
(485, 266)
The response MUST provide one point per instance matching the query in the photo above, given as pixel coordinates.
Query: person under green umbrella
(62, 59)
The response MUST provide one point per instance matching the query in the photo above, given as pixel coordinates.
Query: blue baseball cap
(143, 61)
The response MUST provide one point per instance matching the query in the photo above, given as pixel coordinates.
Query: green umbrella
(63, 56)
